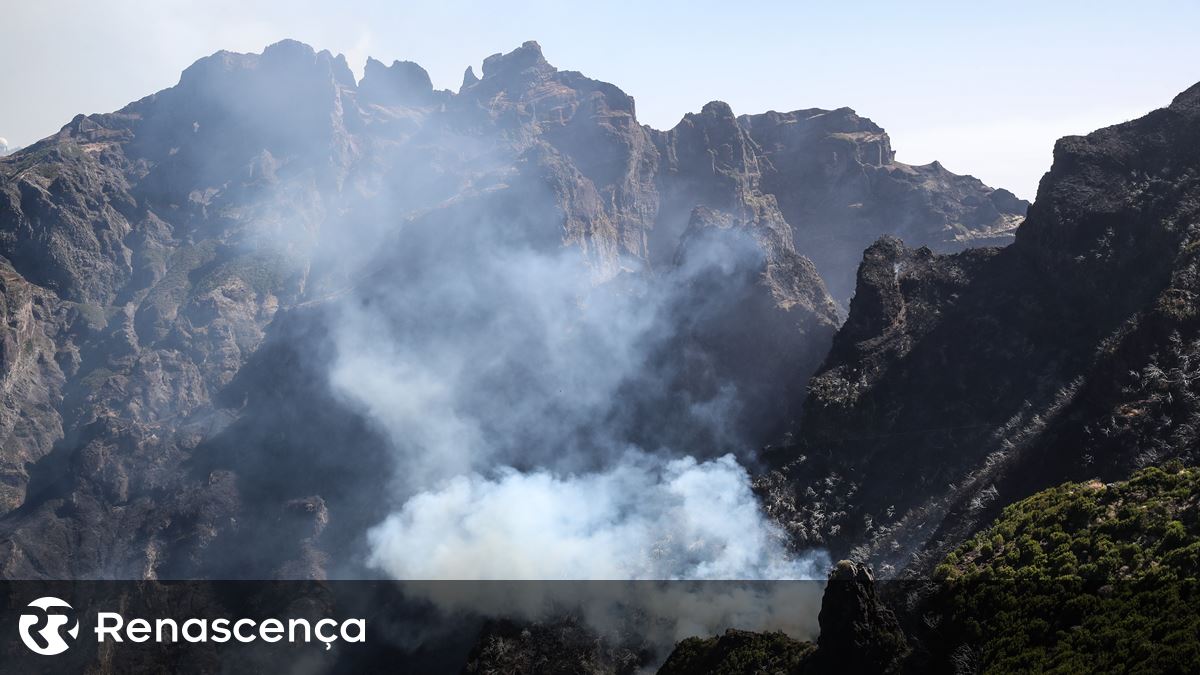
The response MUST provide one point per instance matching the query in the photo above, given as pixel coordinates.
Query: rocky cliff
(835, 178)
(961, 383)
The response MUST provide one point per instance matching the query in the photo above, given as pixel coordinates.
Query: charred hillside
(962, 383)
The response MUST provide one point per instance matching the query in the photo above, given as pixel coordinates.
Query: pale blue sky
(983, 87)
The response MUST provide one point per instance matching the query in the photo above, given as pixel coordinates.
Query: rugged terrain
(964, 389)
(179, 278)
(962, 383)
(1081, 577)
(169, 269)
(859, 634)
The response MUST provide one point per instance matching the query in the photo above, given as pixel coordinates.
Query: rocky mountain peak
(711, 145)
(718, 109)
(1088, 218)
(835, 176)
(1187, 100)
(526, 59)
(469, 78)
(289, 49)
(286, 58)
(402, 83)
(1071, 326)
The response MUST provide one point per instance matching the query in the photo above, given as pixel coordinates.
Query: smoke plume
(640, 519)
(516, 390)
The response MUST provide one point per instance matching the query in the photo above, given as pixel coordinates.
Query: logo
(50, 626)
(44, 623)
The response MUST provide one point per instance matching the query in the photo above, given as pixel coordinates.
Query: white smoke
(533, 421)
(3, 146)
(506, 380)
(491, 357)
(641, 519)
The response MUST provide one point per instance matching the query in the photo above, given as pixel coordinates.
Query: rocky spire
(402, 83)
(858, 633)
(469, 78)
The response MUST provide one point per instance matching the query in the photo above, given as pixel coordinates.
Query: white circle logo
(43, 624)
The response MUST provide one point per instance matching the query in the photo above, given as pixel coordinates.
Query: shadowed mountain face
(836, 182)
(962, 383)
(205, 296)
(1008, 429)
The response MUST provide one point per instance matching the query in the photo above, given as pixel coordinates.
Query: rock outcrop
(858, 633)
(961, 383)
(835, 177)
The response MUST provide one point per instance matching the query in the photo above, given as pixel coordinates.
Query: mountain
(835, 177)
(249, 318)
(1004, 434)
(962, 383)
(179, 277)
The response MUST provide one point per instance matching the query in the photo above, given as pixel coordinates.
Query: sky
(983, 87)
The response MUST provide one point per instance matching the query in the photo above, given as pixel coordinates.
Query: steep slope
(964, 382)
(150, 250)
(1083, 577)
(835, 177)
(831, 175)
(169, 266)
(174, 229)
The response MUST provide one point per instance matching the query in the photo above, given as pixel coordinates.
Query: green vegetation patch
(263, 271)
(1085, 577)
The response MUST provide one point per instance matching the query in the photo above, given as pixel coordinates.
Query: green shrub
(1081, 578)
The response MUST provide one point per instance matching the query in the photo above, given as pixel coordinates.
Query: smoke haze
(508, 382)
